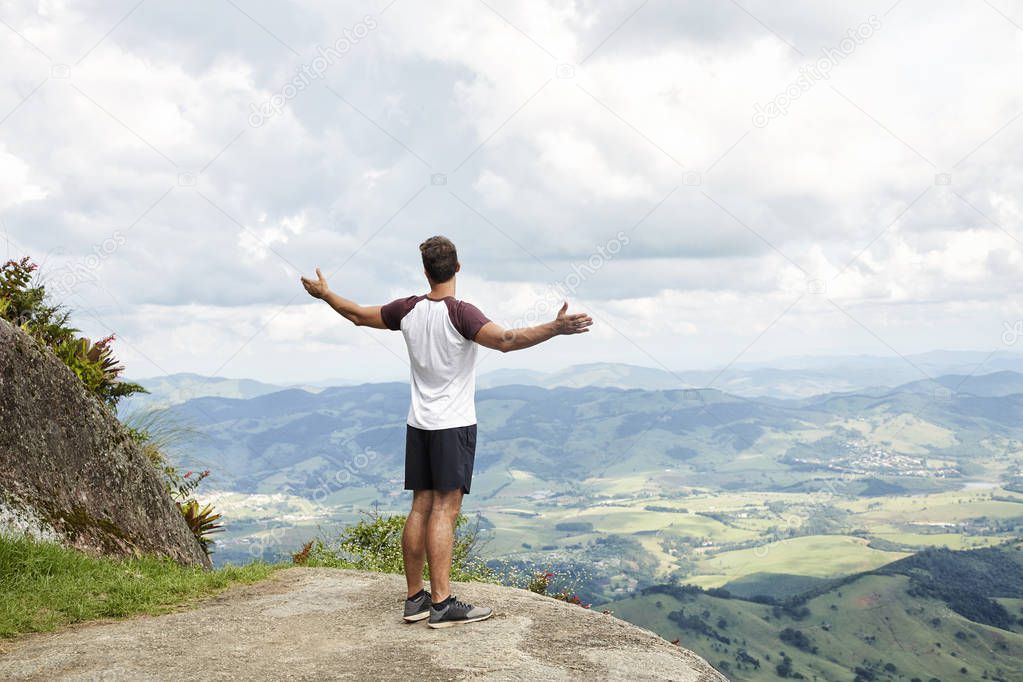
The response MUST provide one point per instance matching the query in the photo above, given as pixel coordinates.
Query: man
(441, 333)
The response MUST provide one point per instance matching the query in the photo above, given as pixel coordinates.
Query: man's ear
(458, 267)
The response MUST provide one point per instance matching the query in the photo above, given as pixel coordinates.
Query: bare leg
(440, 537)
(413, 539)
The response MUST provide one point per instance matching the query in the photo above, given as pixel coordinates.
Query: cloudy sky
(713, 181)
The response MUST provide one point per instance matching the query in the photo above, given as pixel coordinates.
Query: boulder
(70, 472)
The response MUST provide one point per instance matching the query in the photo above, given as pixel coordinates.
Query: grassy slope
(873, 620)
(44, 586)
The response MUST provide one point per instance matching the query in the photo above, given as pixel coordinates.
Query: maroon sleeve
(393, 312)
(467, 318)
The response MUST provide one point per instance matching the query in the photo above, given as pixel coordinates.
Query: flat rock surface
(310, 623)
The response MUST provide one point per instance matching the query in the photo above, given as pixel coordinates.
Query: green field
(820, 556)
(871, 623)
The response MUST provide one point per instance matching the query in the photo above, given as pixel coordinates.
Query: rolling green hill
(702, 486)
(938, 614)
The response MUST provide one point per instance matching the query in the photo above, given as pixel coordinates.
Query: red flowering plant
(189, 482)
(541, 583)
(24, 303)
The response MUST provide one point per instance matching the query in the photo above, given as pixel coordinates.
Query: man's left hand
(317, 288)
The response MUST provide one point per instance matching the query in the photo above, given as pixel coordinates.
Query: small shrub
(24, 305)
(374, 544)
(570, 598)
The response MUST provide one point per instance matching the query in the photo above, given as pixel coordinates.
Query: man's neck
(442, 290)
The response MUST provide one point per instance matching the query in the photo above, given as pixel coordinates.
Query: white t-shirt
(439, 335)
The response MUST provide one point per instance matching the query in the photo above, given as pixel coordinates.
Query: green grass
(45, 586)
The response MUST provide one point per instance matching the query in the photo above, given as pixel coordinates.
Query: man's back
(439, 335)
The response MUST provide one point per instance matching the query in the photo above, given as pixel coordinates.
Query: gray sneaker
(419, 608)
(454, 612)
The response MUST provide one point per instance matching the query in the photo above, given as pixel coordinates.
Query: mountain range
(799, 377)
(570, 434)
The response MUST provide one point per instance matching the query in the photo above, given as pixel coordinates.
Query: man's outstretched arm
(494, 336)
(361, 315)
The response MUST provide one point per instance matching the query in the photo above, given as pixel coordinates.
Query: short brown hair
(439, 258)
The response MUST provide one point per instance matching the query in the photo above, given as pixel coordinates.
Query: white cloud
(446, 119)
(15, 187)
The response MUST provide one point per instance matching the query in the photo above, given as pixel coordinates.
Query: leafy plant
(203, 523)
(156, 432)
(190, 480)
(540, 582)
(96, 366)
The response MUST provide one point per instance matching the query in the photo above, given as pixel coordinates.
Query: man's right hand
(578, 323)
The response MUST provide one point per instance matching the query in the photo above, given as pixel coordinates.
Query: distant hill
(996, 384)
(572, 448)
(598, 374)
(939, 614)
(509, 377)
(773, 585)
(173, 389)
(750, 382)
(297, 438)
(793, 378)
(789, 378)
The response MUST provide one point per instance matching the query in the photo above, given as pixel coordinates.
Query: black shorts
(441, 459)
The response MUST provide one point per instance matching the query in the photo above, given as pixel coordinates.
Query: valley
(693, 485)
(629, 496)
